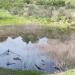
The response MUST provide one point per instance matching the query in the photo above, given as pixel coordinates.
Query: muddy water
(17, 54)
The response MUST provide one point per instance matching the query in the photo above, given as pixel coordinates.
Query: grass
(70, 72)
(11, 20)
(8, 19)
(29, 72)
(18, 72)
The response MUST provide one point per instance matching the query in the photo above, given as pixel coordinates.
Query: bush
(58, 3)
(51, 2)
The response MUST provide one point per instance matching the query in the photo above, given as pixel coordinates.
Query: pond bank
(33, 32)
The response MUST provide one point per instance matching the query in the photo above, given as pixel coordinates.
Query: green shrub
(58, 3)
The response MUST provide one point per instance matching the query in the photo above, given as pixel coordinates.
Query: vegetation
(51, 18)
(20, 72)
(70, 72)
(29, 11)
(7, 19)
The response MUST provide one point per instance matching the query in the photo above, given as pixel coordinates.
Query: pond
(17, 54)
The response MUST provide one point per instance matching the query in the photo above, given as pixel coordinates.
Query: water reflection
(17, 54)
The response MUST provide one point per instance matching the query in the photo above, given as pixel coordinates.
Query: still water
(17, 54)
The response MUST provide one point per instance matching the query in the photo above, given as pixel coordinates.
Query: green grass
(8, 19)
(18, 72)
(11, 20)
(70, 72)
(29, 72)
